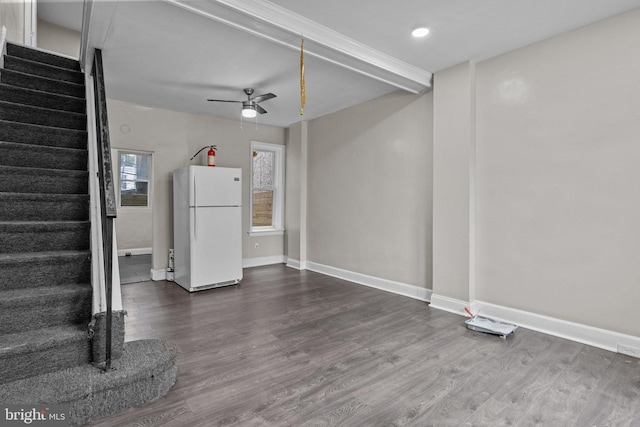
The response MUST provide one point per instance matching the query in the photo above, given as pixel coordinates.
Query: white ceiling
(175, 54)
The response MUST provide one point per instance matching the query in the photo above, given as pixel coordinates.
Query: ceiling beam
(274, 23)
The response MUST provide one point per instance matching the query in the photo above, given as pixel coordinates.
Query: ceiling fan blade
(260, 110)
(221, 100)
(261, 98)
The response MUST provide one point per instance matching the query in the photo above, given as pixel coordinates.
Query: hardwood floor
(290, 348)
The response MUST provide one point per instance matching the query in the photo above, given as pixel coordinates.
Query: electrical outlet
(629, 351)
(257, 245)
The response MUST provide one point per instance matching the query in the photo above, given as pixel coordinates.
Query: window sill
(267, 232)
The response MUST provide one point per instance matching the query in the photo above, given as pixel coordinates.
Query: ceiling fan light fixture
(420, 32)
(249, 111)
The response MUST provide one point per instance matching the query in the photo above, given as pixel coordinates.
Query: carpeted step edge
(38, 236)
(42, 56)
(42, 156)
(11, 111)
(23, 310)
(39, 135)
(16, 78)
(50, 350)
(41, 269)
(29, 341)
(146, 371)
(42, 69)
(39, 257)
(38, 98)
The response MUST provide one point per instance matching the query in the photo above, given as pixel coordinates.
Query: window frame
(278, 190)
(149, 181)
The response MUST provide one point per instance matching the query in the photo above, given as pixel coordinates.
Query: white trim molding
(584, 334)
(404, 289)
(258, 261)
(271, 22)
(296, 264)
(134, 251)
(3, 44)
(160, 274)
(451, 305)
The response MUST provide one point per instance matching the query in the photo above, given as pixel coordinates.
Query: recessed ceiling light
(420, 32)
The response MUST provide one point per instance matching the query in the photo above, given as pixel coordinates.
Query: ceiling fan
(250, 107)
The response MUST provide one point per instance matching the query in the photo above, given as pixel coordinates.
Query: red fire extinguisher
(211, 154)
(211, 157)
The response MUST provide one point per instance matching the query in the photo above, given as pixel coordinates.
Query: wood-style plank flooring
(291, 348)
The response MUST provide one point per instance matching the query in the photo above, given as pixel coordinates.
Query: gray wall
(58, 39)
(12, 17)
(294, 187)
(553, 174)
(369, 189)
(173, 138)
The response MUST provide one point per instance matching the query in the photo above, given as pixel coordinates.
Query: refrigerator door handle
(195, 207)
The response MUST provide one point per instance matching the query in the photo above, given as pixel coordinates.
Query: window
(135, 179)
(267, 188)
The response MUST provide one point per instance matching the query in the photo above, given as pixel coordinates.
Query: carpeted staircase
(45, 259)
(45, 289)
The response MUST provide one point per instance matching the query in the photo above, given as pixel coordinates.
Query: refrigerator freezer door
(216, 246)
(215, 186)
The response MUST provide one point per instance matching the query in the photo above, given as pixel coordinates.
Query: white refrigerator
(207, 227)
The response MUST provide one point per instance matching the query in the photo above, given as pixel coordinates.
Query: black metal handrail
(107, 193)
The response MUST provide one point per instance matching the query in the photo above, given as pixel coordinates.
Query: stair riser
(40, 116)
(38, 241)
(50, 272)
(35, 98)
(18, 155)
(42, 70)
(45, 136)
(39, 210)
(55, 311)
(30, 183)
(40, 83)
(66, 355)
(44, 57)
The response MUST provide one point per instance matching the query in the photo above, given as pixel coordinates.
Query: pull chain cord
(303, 86)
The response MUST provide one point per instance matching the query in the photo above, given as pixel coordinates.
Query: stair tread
(13, 296)
(34, 76)
(29, 341)
(37, 109)
(50, 148)
(52, 67)
(42, 223)
(43, 171)
(44, 109)
(14, 49)
(42, 226)
(44, 97)
(45, 84)
(45, 127)
(35, 256)
(42, 196)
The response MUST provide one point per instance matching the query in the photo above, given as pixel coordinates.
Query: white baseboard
(589, 335)
(298, 265)
(451, 305)
(135, 251)
(268, 260)
(159, 274)
(403, 289)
